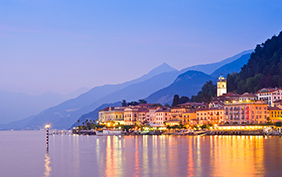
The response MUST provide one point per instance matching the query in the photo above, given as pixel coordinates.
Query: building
(221, 86)
(213, 115)
(162, 115)
(115, 114)
(245, 112)
(143, 116)
(275, 114)
(131, 115)
(270, 95)
(248, 96)
(189, 117)
(191, 106)
(176, 116)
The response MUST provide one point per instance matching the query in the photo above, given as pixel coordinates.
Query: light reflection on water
(47, 166)
(138, 156)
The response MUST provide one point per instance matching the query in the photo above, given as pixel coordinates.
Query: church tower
(221, 86)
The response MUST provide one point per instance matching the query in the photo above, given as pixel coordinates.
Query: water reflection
(138, 156)
(237, 156)
(47, 165)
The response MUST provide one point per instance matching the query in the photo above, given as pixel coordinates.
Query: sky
(63, 45)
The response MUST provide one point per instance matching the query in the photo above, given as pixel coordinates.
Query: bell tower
(221, 86)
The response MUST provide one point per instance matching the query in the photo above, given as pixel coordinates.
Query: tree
(124, 103)
(157, 105)
(175, 101)
(206, 94)
(132, 103)
(167, 105)
(142, 101)
(264, 68)
(278, 124)
(183, 99)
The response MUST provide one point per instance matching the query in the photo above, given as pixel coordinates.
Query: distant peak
(164, 67)
(165, 64)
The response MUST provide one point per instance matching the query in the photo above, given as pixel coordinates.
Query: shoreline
(194, 133)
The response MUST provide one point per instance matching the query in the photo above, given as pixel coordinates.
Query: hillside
(186, 84)
(264, 69)
(93, 115)
(234, 66)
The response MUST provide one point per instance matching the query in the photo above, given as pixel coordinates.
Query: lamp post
(47, 126)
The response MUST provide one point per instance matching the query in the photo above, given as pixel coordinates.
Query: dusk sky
(63, 45)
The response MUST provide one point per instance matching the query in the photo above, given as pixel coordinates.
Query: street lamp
(47, 126)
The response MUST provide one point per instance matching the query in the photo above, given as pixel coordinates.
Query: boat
(199, 132)
(144, 132)
(108, 132)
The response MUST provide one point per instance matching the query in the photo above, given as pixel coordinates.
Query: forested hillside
(264, 69)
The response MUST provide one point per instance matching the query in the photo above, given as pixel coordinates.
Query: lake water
(23, 153)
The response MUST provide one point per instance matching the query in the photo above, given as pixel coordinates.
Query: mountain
(156, 86)
(263, 70)
(93, 115)
(210, 68)
(63, 117)
(232, 67)
(186, 84)
(15, 106)
(65, 114)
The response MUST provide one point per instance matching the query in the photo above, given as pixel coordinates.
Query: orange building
(210, 116)
(245, 112)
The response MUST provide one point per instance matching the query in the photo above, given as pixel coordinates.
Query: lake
(23, 153)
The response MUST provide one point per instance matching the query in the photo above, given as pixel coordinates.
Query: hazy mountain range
(159, 85)
(16, 106)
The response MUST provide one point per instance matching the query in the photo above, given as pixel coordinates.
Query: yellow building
(115, 114)
(275, 114)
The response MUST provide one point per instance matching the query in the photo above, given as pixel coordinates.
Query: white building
(269, 95)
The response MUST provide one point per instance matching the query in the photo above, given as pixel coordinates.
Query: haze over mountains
(159, 85)
(16, 106)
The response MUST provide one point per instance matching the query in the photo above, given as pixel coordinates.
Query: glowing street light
(47, 126)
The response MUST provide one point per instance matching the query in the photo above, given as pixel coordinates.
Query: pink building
(162, 115)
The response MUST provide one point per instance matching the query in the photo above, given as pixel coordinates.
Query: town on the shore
(262, 107)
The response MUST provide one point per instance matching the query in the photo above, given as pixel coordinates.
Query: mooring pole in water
(47, 126)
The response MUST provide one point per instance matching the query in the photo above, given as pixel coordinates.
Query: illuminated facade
(176, 115)
(189, 117)
(112, 114)
(210, 116)
(130, 116)
(245, 112)
(275, 114)
(162, 115)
